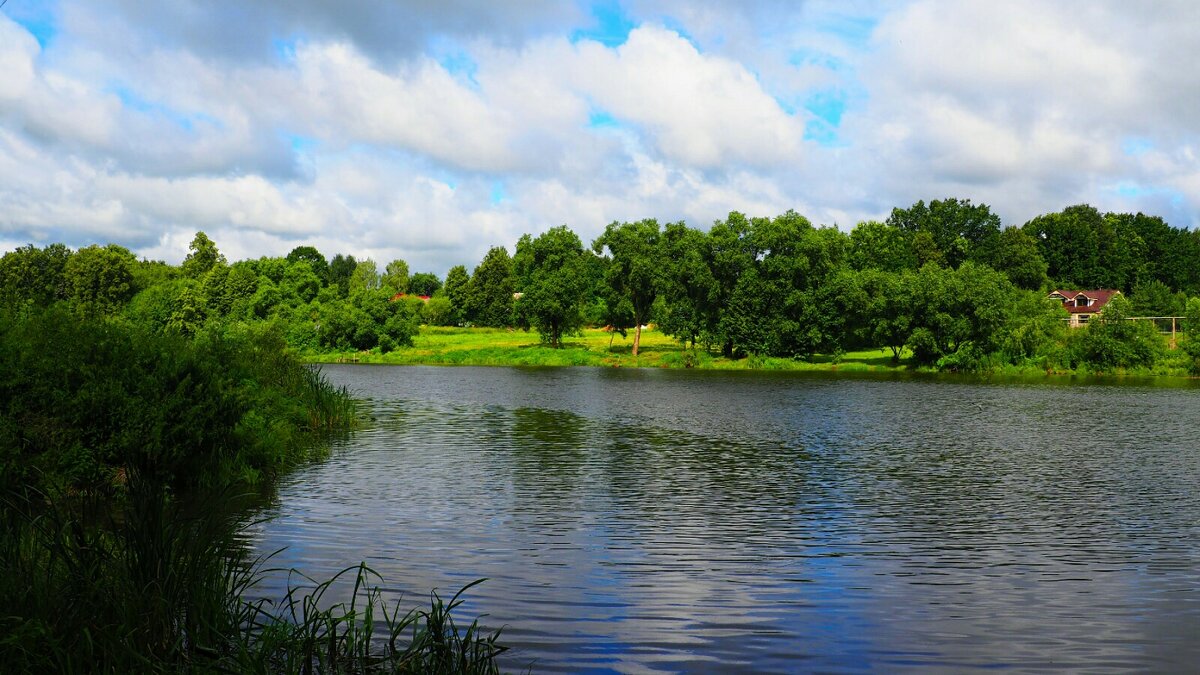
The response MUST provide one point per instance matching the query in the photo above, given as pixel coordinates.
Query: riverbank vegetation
(940, 286)
(124, 455)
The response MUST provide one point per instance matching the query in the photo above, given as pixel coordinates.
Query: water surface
(659, 521)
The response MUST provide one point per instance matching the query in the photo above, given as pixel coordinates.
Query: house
(1083, 305)
(401, 296)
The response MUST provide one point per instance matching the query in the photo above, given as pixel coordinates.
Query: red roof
(1098, 297)
(422, 298)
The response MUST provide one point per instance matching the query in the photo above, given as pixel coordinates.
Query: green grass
(120, 449)
(594, 347)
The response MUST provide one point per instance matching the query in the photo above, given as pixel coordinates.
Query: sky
(431, 131)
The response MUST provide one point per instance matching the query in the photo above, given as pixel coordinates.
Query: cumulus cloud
(1029, 105)
(252, 29)
(403, 129)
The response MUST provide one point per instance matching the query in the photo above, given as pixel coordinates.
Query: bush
(87, 403)
(1112, 342)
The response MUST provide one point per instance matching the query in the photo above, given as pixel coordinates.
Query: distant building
(1084, 305)
(401, 296)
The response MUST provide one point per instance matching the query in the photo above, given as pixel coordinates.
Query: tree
(29, 275)
(490, 293)
(1067, 241)
(687, 285)
(365, 277)
(1112, 342)
(551, 273)
(1018, 257)
(730, 253)
(875, 245)
(100, 279)
(188, 315)
(203, 256)
(457, 287)
(313, 257)
(340, 270)
(957, 229)
(886, 318)
(1191, 335)
(1154, 298)
(424, 283)
(300, 283)
(958, 315)
(633, 269)
(395, 277)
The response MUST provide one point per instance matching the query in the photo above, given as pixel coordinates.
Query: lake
(662, 520)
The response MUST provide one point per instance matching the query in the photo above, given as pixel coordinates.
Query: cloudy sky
(432, 130)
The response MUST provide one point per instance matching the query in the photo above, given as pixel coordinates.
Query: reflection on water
(647, 521)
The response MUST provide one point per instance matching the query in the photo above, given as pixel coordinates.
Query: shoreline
(597, 348)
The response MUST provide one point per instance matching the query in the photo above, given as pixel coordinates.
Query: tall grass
(121, 455)
(361, 635)
(159, 587)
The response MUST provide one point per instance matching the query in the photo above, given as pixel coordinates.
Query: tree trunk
(637, 336)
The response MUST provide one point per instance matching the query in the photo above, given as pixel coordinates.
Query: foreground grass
(122, 456)
(437, 345)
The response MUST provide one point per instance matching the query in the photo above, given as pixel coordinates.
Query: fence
(1171, 326)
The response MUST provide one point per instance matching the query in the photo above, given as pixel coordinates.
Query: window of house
(1083, 318)
(1081, 301)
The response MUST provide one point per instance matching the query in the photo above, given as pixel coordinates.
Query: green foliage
(424, 283)
(632, 273)
(490, 292)
(956, 230)
(395, 277)
(87, 400)
(551, 272)
(118, 546)
(202, 257)
(458, 288)
(874, 245)
(300, 284)
(687, 285)
(771, 287)
(439, 311)
(99, 280)
(313, 257)
(1018, 257)
(1036, 328)
(1154, 298)
(1112, 342)
(957, 310)
(365, 277)
(340, 270)
(33, 276)
(1191, 336)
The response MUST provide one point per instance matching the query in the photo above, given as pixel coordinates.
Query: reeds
(361, 635)
(160, 587)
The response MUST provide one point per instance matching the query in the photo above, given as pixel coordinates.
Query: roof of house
(1100, 298)
(398, 296)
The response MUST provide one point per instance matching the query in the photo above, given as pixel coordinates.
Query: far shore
(596, 347)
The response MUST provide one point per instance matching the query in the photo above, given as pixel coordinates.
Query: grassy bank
(594, 347)
(125, 453)
(599, 348)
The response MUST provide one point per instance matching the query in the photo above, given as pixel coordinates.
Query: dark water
(654, 521)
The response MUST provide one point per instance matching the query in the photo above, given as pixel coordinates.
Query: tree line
(943, 282)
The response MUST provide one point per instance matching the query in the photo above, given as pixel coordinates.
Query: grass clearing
(436, 345)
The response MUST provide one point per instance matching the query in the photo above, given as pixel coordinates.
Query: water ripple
(644, 521)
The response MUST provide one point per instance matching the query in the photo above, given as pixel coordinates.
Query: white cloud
(271, 124)
(704, 111)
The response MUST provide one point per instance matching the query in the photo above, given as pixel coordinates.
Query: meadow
(438, 345)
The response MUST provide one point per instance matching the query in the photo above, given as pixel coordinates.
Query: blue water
(663, 521)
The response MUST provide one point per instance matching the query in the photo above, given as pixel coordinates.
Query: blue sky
(430, 132)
